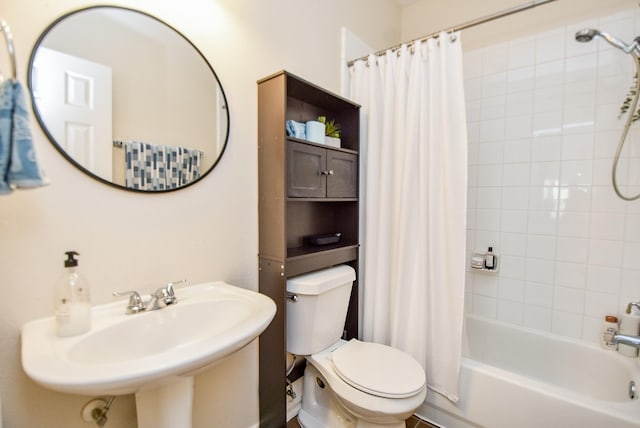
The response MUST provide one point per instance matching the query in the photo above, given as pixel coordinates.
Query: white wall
(207, 231)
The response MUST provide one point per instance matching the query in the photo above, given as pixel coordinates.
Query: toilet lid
(378, 369)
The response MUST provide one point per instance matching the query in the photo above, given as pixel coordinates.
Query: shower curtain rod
(463, 26)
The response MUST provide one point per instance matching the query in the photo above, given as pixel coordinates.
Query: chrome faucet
(162, 297)
(626, 339)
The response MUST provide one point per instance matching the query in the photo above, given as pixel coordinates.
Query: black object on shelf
(325, 239)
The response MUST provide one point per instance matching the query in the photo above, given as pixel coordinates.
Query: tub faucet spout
(626, 339)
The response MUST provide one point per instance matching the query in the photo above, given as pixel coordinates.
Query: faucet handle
(171, 295)
(136, 304)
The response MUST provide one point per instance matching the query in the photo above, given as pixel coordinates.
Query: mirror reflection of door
(76, 94)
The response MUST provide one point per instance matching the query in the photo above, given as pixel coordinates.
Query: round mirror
(128, 99)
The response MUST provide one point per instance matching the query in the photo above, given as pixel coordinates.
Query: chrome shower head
(588, 34)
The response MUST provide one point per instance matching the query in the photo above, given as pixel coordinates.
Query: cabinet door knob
(330, 172)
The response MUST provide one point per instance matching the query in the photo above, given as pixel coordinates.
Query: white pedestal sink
(152, 354)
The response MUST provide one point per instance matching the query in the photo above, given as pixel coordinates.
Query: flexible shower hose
(625, 131)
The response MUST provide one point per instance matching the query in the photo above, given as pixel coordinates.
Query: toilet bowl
(346, 383)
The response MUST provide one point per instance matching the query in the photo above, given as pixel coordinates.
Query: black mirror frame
(65, 154)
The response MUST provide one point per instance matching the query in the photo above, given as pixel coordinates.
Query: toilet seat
(378, 370)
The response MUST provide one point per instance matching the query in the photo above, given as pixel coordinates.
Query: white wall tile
(521, 53)
(517, 151)
(494, 59)
(603, 279)
(514, 244)
(511, 312)
(607, 117)
(579, 146)
(492, 130)
(518, 127)
(515, 174)
(489, 197)
(539, 271)
(604, 200)
(543, 128)
(632, 228)
(571, 250)
(494, 84)
(488, 220)
(600, 304)
(538, 294)
(576, 173)
(607, 226)
(605, 252)
(592, 329)
(567, 324)
(549, 74)
(569, 274)
(472, 64)
(548, 99)
(574, 224)
(489, 175)
(612, 63)
(490, 153)
(550, 46)
(583, 67)
(574, 198)
(547, 123)
(516, 198)
(581, 93)
(472, 88)
(520, 82)
(542, 223)
(485, 306)
(545, 173)
(514, 221)
(631, 258)
(541, 247)
(512, 267)
(537, 317)
(568, 300)
(602, 171)
(546, 148)
(485, 285)
(511, 289)
(493, 107)
(630, 283)
(578, 120)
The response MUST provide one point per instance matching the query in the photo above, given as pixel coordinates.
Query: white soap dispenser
(72, 302)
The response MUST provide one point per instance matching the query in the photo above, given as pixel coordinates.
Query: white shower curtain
(414, 154)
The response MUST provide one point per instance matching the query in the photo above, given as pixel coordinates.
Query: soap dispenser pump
(72, 300)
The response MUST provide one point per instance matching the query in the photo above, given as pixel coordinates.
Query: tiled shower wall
(542, 117)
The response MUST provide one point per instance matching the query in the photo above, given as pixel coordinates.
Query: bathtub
(517, 377)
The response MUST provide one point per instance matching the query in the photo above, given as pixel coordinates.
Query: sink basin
(123, 353)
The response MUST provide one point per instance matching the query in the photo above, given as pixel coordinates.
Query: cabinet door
(342, 181)
(305, 167)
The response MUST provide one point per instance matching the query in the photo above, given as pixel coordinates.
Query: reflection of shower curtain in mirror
(157, 167)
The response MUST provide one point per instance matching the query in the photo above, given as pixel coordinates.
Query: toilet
(346, 383)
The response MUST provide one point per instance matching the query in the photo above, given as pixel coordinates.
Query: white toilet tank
(315, 320)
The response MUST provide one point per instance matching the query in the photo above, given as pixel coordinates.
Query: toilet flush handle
(291, 296)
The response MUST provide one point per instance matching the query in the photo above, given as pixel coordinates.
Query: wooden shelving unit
(304, 189)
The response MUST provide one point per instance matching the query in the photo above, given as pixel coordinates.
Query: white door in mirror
(76, 95)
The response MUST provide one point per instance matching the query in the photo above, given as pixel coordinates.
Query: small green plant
(626, 104)
(331, 128)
